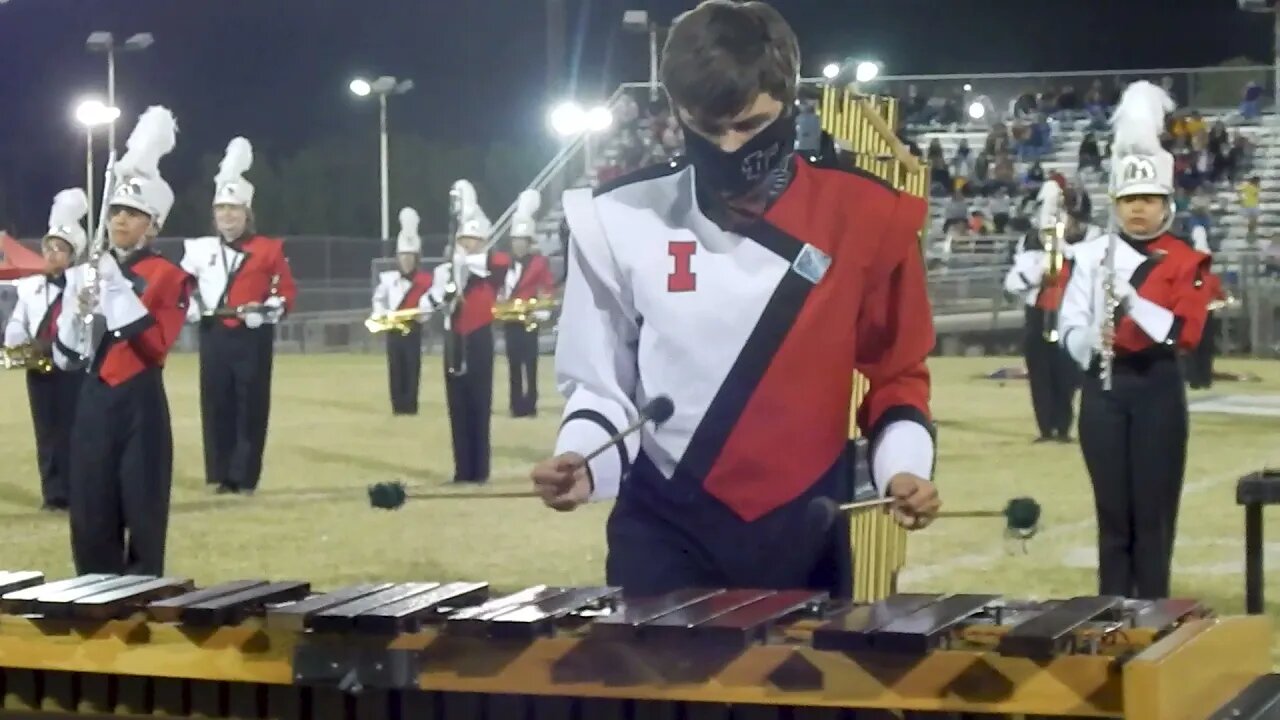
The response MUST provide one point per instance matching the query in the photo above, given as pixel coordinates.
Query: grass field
(332, 434)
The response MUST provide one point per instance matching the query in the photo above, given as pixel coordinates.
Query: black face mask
(738, 173)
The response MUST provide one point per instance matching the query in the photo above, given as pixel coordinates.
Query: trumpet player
(404, 290)
(1039, 275)
(1137, 295)
(129, 307)
(528, 280)
(34, 323)
(243, 289)
(464, 289)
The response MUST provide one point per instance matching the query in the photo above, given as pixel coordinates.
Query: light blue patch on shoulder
(811, 264)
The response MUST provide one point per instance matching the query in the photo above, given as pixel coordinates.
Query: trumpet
(400, 321)
(1054, 237)
(523, 311)
(27, 356)
(1226, 302)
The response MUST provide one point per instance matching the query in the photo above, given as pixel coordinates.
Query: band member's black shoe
(55, 506)
(225, 489)
(1042, 439)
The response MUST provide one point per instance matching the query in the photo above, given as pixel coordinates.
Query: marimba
(132, 645)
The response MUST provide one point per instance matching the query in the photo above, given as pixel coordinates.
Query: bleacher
(1229, 223)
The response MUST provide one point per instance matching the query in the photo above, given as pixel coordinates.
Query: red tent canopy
(16, 260)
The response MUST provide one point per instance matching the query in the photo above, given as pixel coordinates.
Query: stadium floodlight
(977, 110)
(384, 87)
(831, 70)
(968, 87)
(599, 119)
(92, 114)
(568, 119)
(867, 71)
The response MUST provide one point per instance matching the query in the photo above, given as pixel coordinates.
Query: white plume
(69, 208)
(1139, 120)
(409, 221)
(528, 203)
(153, 137)
(463, 194)
(1050, 199)
(236, 162)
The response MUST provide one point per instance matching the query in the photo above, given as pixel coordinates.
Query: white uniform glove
(542, 315)
(274, 309)
(253, 320)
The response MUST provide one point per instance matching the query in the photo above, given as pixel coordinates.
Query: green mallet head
(1022, 517)
(388, 495)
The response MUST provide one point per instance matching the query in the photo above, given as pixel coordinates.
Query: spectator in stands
(978, 224)
(961, 164)
(1090, 156)
(1024, 105)
(980, 180)
(999, 206)
(1004, 175)
(1251, 104)
(1219, 147)
(935, 151)
(1068, 103)
(956, 211)
(1095, 106)
(1240, 159)
(915, 108)
(940, 183)
(1250, 203)
(997, 140)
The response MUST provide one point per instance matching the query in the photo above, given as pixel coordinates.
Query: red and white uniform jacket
(228, 275)
(35, 317)
(143, 303)
(1169, 288)
(480, 275)
(529, 277)
(396, 291)
(755, 336)
(1026, 278)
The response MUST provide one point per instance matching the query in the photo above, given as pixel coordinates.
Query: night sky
(277, 70)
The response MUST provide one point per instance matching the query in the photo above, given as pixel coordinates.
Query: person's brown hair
(723, 53)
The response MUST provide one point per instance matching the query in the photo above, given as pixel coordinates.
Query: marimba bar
(134, 645)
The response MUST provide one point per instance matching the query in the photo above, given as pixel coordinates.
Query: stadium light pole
(104, 42)
(383, 87)
(92, 114)
(638, 21)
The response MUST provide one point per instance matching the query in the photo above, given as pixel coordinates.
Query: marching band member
(53, 394)
(244, 287)
(465, 289)
(1051, 373)
(129, 308)
(1199, 362)
(1125, 327)
(528, 279)
(398, 291)
(749, 286)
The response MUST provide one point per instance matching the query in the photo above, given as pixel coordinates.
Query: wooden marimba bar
(111, 646)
